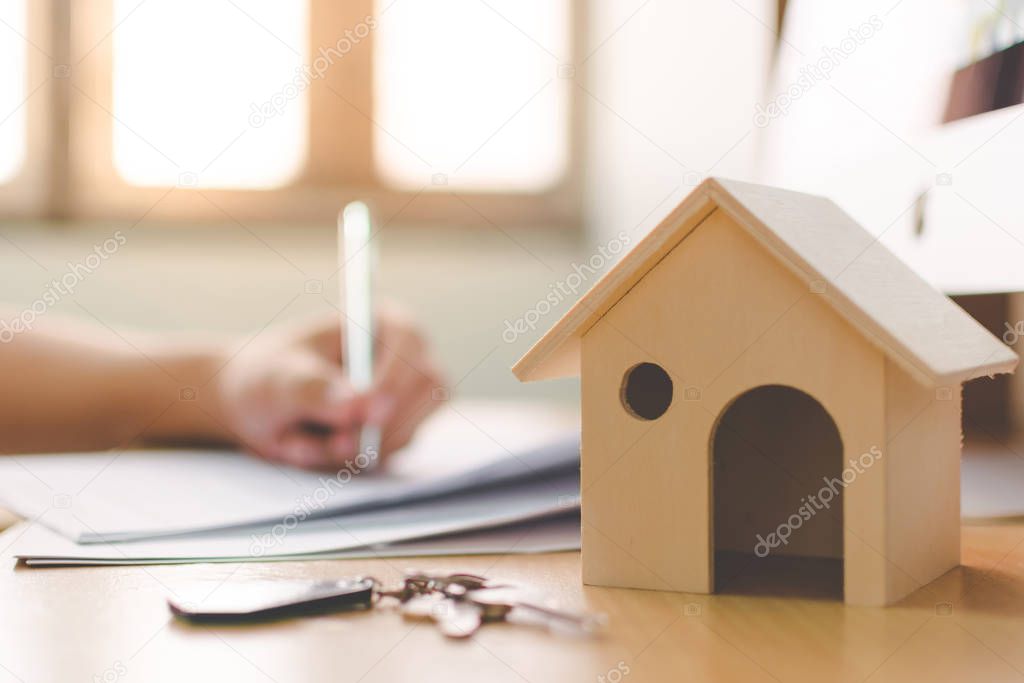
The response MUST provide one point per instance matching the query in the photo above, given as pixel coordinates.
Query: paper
(504, 505)
(110, 496)
(544, 535)
(992, 481)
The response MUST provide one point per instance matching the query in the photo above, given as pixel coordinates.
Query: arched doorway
(777, 496)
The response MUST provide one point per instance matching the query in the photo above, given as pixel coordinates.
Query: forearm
(71, 387)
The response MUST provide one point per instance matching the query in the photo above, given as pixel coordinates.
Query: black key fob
(259, 600)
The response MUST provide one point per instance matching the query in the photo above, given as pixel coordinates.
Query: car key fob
(257, 600)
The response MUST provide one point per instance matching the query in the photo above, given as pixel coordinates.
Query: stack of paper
(992, 479)
(474, 476)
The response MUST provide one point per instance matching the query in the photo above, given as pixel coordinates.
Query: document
(499, 506)
(543, 535)
(132, 495)
(992, 481)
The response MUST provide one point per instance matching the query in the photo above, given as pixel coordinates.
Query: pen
(356, 258)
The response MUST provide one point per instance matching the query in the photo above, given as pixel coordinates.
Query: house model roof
(914, 324)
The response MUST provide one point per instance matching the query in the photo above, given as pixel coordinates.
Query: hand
(286, 397)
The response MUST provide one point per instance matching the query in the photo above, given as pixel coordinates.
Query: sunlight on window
(473, 95)
(12, 88)
(210, 94)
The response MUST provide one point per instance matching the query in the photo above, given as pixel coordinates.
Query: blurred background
(510, 150)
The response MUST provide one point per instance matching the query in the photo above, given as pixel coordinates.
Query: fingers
(314, 450)
(403, 366)
(399, 347)
(320, 390)
(305, 450)
(295, 404)
(317, 414)
(317, 391)
(409, 416)
(403, 395)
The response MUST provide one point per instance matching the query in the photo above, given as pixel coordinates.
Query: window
(498, 119)
(453, 111)
(190, 102)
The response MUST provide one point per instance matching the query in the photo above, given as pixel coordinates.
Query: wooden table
(111, 624)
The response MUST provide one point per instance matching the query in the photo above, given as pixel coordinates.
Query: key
(459, 618)
(431, 581)
(255, 600)
(419, 583)
(455, 618)
(410, 589)
(498, 602)
(423, 606)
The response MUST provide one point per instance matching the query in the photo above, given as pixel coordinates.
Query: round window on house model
(646, 391)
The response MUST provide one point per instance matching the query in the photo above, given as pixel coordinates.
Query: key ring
(412, 586)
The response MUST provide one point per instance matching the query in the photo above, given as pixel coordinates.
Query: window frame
(89, 187)
(31, 192)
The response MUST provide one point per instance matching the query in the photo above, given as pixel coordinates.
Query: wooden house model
(762, 379)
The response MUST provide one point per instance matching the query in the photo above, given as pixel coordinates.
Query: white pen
(356, 258)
